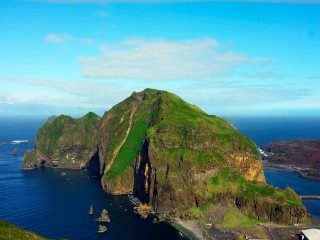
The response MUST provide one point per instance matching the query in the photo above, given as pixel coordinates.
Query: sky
(230, 58)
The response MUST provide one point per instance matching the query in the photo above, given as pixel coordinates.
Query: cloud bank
(164, 60)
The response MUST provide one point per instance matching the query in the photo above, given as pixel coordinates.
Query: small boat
(91, 210)
(102, 229)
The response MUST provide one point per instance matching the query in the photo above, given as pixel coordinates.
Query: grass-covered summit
(171, 155)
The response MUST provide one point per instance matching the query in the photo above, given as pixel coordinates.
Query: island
(190, 168)
(302, 156)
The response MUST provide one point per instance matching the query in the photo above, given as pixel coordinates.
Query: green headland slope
(11, 232)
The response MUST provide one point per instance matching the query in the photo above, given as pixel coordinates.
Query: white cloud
(65, 38)
(53, 38)
(85, 94)
(164, 60)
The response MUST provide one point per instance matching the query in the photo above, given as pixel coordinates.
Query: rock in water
(102, 229)
(91, 210)
(15, 151)
(143, 210)
(104, 217)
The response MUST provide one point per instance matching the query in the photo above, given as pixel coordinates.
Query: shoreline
(289, 168)
(190, 229)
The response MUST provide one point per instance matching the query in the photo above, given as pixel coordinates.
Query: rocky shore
(301, 156)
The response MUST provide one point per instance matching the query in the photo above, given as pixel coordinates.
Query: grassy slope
(233, 182)
(186, 119)
(11, 232)
(54, 128)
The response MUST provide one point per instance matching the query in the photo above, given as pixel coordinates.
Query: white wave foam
(262, 152)
(18, 141)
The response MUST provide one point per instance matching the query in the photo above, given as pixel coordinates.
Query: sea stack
(15, 151)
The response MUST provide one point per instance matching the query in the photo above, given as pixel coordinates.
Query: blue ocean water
(57, 206)
(265, 130)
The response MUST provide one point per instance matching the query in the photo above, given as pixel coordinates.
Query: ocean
(55, 206)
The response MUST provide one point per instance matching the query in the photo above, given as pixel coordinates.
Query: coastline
(289, 168)
(191, 229)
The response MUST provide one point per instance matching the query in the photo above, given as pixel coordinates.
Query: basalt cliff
(169, 154)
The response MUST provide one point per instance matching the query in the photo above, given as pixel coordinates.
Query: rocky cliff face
(65, 142)
(172, 156)
(169, 154)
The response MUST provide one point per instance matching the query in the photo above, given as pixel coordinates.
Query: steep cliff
(65, 142)
(169, 154)
(173, 156)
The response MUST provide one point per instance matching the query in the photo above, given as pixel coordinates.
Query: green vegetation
(11, 232)
(129, 150)
(66, 129)
(236, 219)
(197, 212)
(232, 182)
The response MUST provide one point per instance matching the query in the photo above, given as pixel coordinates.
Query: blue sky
(229, 58)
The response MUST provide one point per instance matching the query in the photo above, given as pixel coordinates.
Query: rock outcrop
(65, 142)
(170, 155)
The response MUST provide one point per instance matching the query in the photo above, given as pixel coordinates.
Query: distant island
(187, 167)
(302, 156)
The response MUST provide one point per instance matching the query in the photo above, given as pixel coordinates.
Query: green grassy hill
(175, 157)
(11, 232)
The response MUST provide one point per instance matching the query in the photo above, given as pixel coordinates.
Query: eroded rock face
(65, 142)
(249, 167)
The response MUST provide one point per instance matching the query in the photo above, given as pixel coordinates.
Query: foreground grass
(11, 232)
(236, 219)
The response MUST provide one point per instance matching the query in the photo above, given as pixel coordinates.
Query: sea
(55, 202)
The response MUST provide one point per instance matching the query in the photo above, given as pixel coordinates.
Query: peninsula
(302, 156)
(178, 160)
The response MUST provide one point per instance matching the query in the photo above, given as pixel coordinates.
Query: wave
(18, 141)
(14, 142)
(262, 152)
